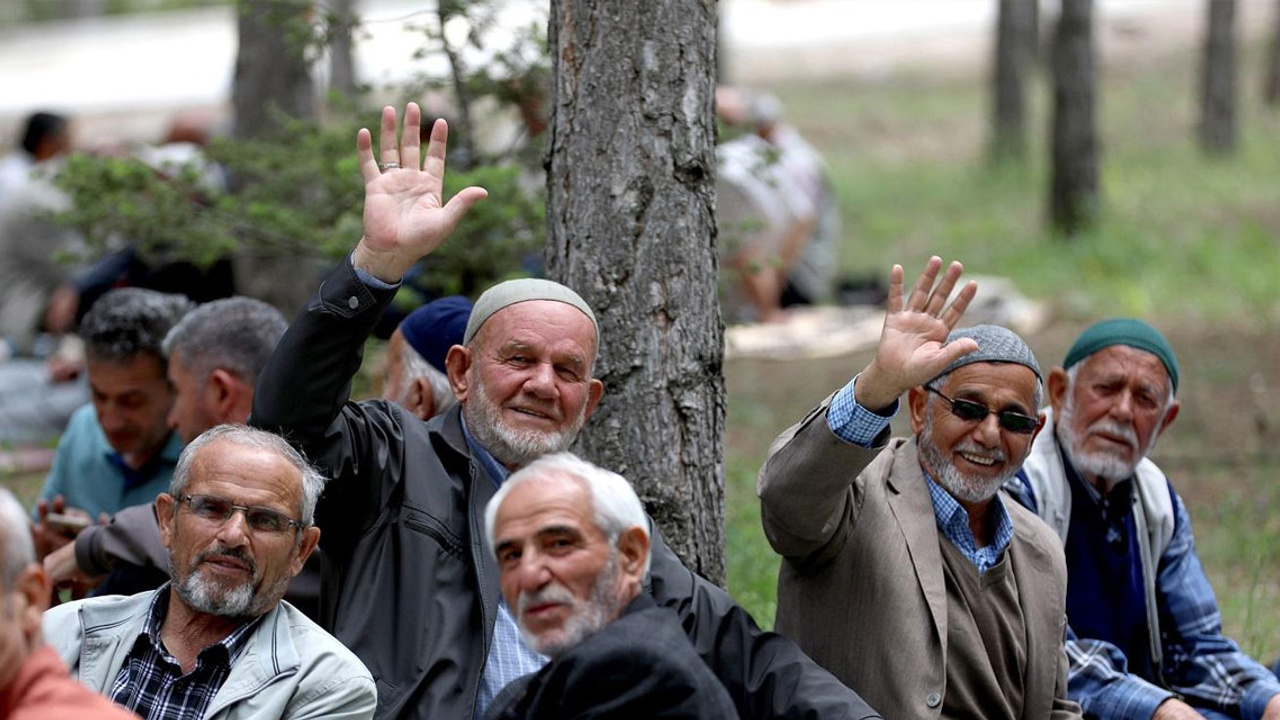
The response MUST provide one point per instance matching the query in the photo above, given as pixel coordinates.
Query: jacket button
(353, 302)
(934, 700)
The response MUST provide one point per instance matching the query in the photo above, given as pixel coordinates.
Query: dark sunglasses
(216, 510)
(971, 411)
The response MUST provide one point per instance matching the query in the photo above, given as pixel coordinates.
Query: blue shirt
(853, 423)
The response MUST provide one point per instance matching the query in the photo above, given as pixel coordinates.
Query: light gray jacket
(290, 667)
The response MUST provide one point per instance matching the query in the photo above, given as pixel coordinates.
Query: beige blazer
(861, 587)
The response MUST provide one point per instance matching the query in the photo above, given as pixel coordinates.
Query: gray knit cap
(995, 344)
(506, 294)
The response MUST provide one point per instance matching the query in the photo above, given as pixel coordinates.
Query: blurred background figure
(415, 377)
(47, 136)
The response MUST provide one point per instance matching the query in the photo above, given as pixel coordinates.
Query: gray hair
(242, 435)
(1036, 399)
(236, 334)
(126, 322)
(414, 366)
(17, 550)
(616, 506)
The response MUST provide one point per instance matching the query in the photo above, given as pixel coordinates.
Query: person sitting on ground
(218, 641)
(118, 451)
(404, 507)
(903, 571)
(415, 376)
(33, 681)
(1148, 636)
(572, 545)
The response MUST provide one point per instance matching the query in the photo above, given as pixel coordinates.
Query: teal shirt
(89, 473)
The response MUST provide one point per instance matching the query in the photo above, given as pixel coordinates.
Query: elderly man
(413, 591)
(903, 572)
(572, 545)
(1150, 638)
(118, 451)
(33, 681)
(415, 375)
(218, 641)
(214, 355)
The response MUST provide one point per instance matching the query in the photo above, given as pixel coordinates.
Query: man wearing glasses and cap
(904, 573)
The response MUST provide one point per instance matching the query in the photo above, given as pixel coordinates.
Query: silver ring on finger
(383, 167)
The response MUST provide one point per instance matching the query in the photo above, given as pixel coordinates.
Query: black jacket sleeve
(766, 674)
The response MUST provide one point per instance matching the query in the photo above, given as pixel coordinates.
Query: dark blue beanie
(435, 327)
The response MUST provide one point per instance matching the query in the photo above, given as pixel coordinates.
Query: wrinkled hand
(405, 218)
(1175, 709)
(913, 345)
(60, 565)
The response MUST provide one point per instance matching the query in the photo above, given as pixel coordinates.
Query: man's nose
(1122, 405)
(234, 531)
(987, 433)
(541, 381)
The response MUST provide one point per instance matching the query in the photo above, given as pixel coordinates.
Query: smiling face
(972, 459)
(558, 571)
(1110, 416)
(525, 381)
(132, 399)
(226, 568)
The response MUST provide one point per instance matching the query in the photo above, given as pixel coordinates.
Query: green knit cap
(1124, 331)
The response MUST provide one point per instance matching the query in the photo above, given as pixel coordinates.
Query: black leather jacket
(409, 586)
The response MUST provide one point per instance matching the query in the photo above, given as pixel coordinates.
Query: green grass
(1190, 243)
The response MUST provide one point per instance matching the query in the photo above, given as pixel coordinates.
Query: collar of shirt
(953, 523)
(497, 472)
(167, 457)
(225, 651)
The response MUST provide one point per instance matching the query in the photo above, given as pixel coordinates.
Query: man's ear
(633, 548)
(310, 537)
(918, 402)
(423, 398)
(33, 592)
(1058, 385)
(166, 508)
(1169, 417)
(230, 397)
(595, 390)
(456, 364)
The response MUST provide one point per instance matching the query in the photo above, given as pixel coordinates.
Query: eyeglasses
(217, 510)
(970, 411)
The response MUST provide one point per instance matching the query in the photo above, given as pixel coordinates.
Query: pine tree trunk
(1012, 62)
(1074, 185)
(271, 76)
(1218, 80)
(342, 72)
(1271, 79)
(631, 226)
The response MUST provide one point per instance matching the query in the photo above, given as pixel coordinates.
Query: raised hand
(405, 218)
(913, 345)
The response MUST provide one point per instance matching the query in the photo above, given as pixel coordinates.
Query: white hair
(17, 550)
(616, 506)
(312, 481)
(414, 366)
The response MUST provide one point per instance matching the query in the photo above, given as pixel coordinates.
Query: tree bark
(272, 75)
(1014, 48)
(342, 72)
(631, 226)
(1074, 185)
(1271, 80)
(1218, 80)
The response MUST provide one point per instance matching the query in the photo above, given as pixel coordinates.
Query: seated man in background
(904, 572)
(415, 376)
(1150, 642)
(118, 451)
(572, 545)
(219, 640)
(33, 681)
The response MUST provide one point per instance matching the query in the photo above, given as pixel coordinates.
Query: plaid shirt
(151, 683)
(1200, 664)
(853, 423)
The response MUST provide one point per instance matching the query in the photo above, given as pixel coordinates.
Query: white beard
(968, 488)
(512, 446)
(589, 615)
(1108, 466)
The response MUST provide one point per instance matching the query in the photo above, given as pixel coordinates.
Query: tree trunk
(631, 226)
(272, 75)
(1271, 81)
(1218, 80)
(1014, 48)
(342, 73)
(1074, 186)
